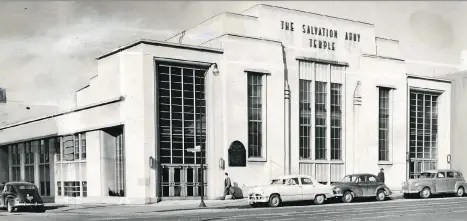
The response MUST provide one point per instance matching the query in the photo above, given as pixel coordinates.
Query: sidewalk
(163, 206)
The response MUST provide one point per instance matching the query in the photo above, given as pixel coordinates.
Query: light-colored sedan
(289, 189)
(435, 182)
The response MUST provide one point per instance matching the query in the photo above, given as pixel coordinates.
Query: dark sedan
(360, 185)
(17, 195)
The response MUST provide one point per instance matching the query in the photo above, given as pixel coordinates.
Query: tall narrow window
(305, 119)
(255, 115)
(83, 146)
(336, 122)
(44, 167)
(76, 147)
(16, 163)
(2, 95)
(320, 119)
(120, 165)
(384, 123)
(29, 162)
(58, 149)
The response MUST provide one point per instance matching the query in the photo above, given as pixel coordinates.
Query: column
(51, 142)
(22, 160)
(35, 147)
(94, 160)
(10, 160)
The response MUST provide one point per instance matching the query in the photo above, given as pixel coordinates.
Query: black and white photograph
(233, 110)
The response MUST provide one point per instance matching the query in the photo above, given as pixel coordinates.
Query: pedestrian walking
(381, 175)
(228, 190)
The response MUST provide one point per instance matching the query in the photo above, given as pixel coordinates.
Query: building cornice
(164, 44)
(412, 76)
(103, 103)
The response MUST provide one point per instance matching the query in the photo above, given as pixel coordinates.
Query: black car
(360, 185)
(17, 195)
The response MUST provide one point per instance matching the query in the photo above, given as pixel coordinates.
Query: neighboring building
(270, 91)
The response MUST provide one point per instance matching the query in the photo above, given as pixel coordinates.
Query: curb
(68, 209)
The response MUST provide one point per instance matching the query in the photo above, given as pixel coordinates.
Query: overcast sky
(48, 49)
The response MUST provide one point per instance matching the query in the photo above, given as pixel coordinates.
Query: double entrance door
(182, 181)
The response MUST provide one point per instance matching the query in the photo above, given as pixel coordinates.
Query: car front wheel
(460, 192)
(274, 200)
(425, 193)
(347, 197)
(319, 199)
(380, 196)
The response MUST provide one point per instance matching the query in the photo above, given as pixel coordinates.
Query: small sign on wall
(222, 163)
(152, 162)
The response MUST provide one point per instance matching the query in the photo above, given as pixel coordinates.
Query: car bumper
(28, 205)
(409, 191)
(258, 199)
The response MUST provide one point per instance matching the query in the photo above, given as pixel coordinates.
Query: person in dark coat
(381, 175)
(228, 186)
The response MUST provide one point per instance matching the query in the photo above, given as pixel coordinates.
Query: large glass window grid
(72, 189)
(26, 151)
(423, 131)
(336, 121)
(320, 120)
(15, 163)
(305, 118)
(182, 109)
(28, 162)
(317, 97)
(44, 166)
(255, 112)
(383, 119)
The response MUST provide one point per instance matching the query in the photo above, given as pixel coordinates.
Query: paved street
(446, 209)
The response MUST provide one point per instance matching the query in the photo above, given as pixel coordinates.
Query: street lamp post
(203, 141)
(202, 204)
(202, 148)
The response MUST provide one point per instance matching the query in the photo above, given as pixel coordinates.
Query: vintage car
(360, 185)
(289, 189)
(17, 195)
(435, 182)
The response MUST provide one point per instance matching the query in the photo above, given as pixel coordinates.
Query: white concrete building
(285, 91)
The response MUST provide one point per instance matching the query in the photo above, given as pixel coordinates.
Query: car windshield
(25, 187)
(349, 179)
(427, 175)
(277, 181)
